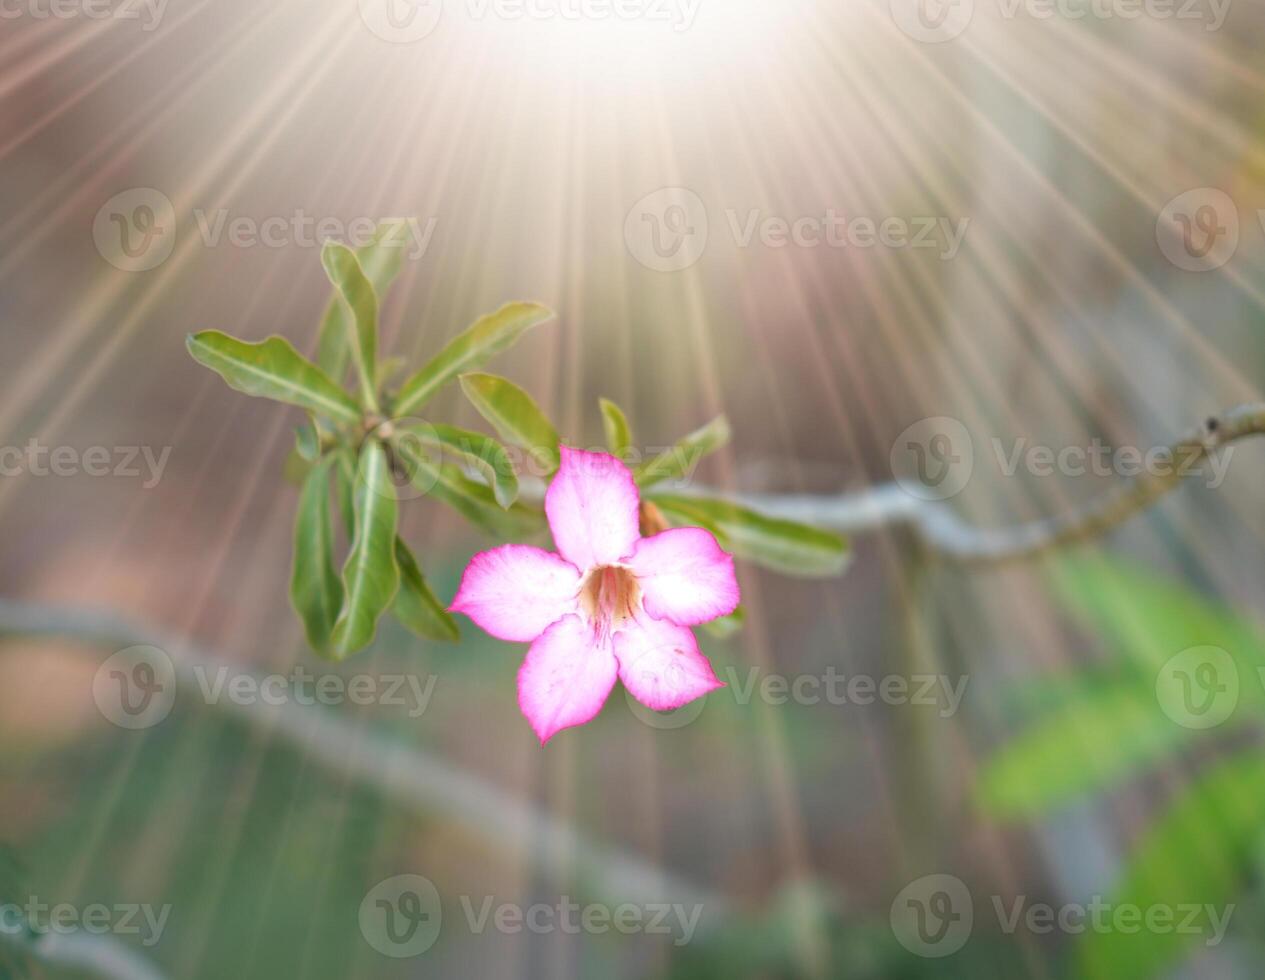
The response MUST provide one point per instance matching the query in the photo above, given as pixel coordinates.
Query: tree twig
(416, 779)
(92, 955)
(401, 772)
(938, 526)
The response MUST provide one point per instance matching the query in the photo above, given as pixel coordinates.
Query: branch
(944, 533)
(417, 780)
(92, 955)
(401, 772)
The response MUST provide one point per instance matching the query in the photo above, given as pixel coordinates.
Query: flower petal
(660, 663)
(592, 505)
(516, 591)
(685, 577)
(566, 677)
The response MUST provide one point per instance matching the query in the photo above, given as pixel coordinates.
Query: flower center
(609, 596)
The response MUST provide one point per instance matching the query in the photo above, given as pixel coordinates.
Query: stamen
(609, 597)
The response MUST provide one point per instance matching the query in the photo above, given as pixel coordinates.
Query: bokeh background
(1065, 147)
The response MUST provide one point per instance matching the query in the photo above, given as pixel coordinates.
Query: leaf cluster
(367, 446)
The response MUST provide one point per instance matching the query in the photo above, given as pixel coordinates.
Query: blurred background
(1035, 224)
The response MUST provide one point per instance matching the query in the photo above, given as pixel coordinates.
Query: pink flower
(610, 603)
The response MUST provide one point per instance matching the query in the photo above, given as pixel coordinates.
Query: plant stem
(403, 773)
(947, 535)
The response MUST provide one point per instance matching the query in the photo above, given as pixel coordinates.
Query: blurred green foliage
(1089, 731)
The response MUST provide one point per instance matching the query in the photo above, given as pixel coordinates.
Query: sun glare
(604, 41)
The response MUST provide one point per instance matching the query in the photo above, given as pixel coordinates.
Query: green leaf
(727, 626)
(306, 451)
(678, 462)
(416, 606)
(488, 336)
(381, 260)
(1089, 742)
(483, 451)
(370, 577)
(273, 369)
(1149, 618)
(345, 489)
(515, 416)
(295, 468)
(471, 499)
(784, 546)
(1197, 853)
(354, 286)
(315, 590)
(389, 368)
(618, 432)
(307, 443)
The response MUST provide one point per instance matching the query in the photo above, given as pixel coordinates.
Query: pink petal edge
(661, 665)
(593, 509)
(515, 592)
(565, 678)
(685, 576)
